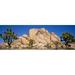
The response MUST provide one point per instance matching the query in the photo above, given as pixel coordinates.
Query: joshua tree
(8, 37)
(67, 38)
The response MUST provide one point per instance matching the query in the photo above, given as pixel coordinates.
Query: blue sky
(24, 29)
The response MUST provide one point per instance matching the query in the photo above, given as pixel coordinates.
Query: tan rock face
(42, 37)
(39, 35)
(21, 42)
(3, 46)
(72, 45)
(54, 37)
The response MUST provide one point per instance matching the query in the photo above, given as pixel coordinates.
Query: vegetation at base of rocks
(54, 45)
(8, 37)
(48, 46)
(67, 38)
(30, 44)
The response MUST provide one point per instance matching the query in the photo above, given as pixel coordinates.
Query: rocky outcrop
(21, 42)
(54, 37)
(3, 46)
(43, 38)
(40, 36)
(37, 39)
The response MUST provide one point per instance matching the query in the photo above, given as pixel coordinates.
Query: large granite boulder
(43, 38)
(21, 42)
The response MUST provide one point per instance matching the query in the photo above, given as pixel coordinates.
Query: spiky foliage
(67, 38)
(9, 36)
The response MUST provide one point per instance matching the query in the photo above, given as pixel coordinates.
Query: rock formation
(43, 38)
(3, 46)
(40, 36)
(37, 39)
(21, 42)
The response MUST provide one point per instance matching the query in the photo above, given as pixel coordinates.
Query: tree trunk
(9, 44)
